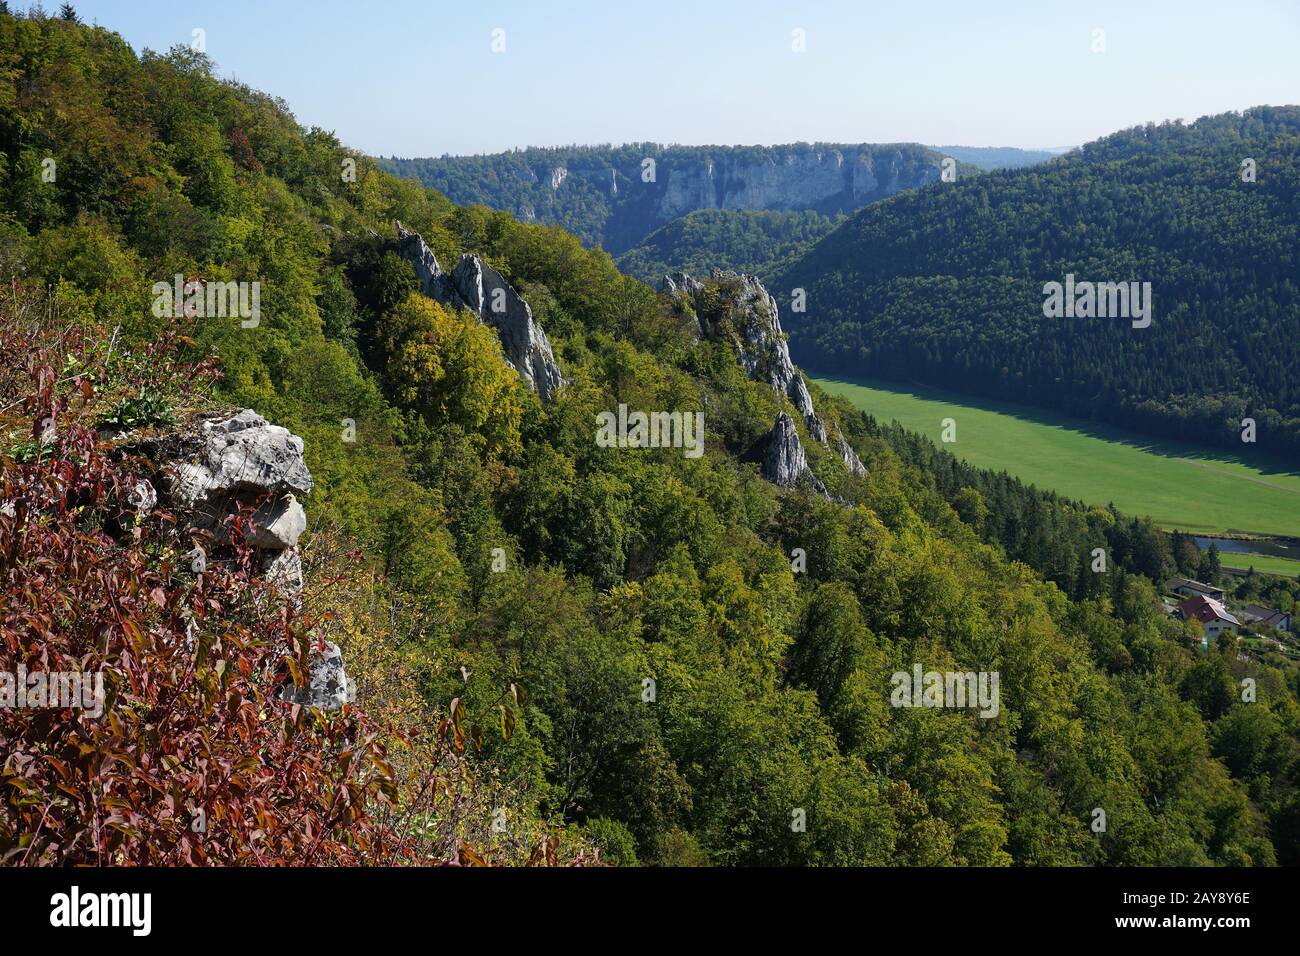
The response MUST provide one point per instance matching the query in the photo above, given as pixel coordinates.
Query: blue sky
(421, 78)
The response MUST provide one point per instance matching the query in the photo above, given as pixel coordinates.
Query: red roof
(1203, 609)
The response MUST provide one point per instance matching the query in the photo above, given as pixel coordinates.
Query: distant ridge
(998, 157)
(616, 196)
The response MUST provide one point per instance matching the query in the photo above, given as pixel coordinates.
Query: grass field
(1263, 563)
(1178, 485)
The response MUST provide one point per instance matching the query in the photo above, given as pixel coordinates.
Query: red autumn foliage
(242, 150)
(195, 758)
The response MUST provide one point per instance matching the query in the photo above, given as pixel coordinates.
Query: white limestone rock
(786, 462)
(850, 457)
(232, 463)
(284, 570)
(329, 687)
(241, 456)
(278, 524)
(476, 286)
(763, 350)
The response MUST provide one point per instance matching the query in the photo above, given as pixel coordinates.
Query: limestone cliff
(476, 286)
(739, 306)
(616, 196)
(786, 462)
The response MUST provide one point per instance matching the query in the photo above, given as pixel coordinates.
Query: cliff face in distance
(616, 196)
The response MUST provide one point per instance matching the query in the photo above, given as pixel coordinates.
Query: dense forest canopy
(946, 285)
(755, 242)
(771, 678)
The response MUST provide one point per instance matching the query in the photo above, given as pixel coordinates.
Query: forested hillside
(663, 656)
(946, 285)
(614, 197)
(743, 241)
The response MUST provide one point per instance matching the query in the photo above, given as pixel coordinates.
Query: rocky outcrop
(412, 247)
(786, 463)
(283, 569)
(329, 686)
(742, 305)
(244, 461)
(278, 524)
(225, 465)
(797, 389)
(679, 283)
(476, 286)
(749, 309)
(849, 457)
(495, 301)
(242, 454)
(685, 290)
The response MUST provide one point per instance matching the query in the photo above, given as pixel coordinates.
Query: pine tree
(1212, 563)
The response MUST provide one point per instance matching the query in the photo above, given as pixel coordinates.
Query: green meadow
(1263, 563)
(1178, 485)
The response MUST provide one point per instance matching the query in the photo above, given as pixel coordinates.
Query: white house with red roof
(1213, 617)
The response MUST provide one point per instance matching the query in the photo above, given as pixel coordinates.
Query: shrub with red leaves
(194, 758)
(191, 756)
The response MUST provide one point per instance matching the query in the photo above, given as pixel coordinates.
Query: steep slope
(948, 285)
(664, 653)
(615, 197)
(737, 240)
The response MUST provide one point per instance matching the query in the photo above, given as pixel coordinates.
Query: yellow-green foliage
(625, 626)
(447, 365)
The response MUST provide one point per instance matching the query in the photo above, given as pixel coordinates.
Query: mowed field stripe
(1260, 481)
(1176, 484)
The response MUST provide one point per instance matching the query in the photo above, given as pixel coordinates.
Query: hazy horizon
(732, 73)
(602, 145)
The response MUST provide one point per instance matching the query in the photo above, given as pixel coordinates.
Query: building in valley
(1266, 616)
(1211, 615)
(1189, 588)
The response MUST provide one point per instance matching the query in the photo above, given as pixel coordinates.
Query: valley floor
(1180, 486)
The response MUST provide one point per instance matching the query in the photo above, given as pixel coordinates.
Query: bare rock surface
(278, 524)
(744, 306)
(786, 463)
(850, 457)
(242, 454)
(329, 687)
(476, 286)
(739, 303)
(243, 461)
